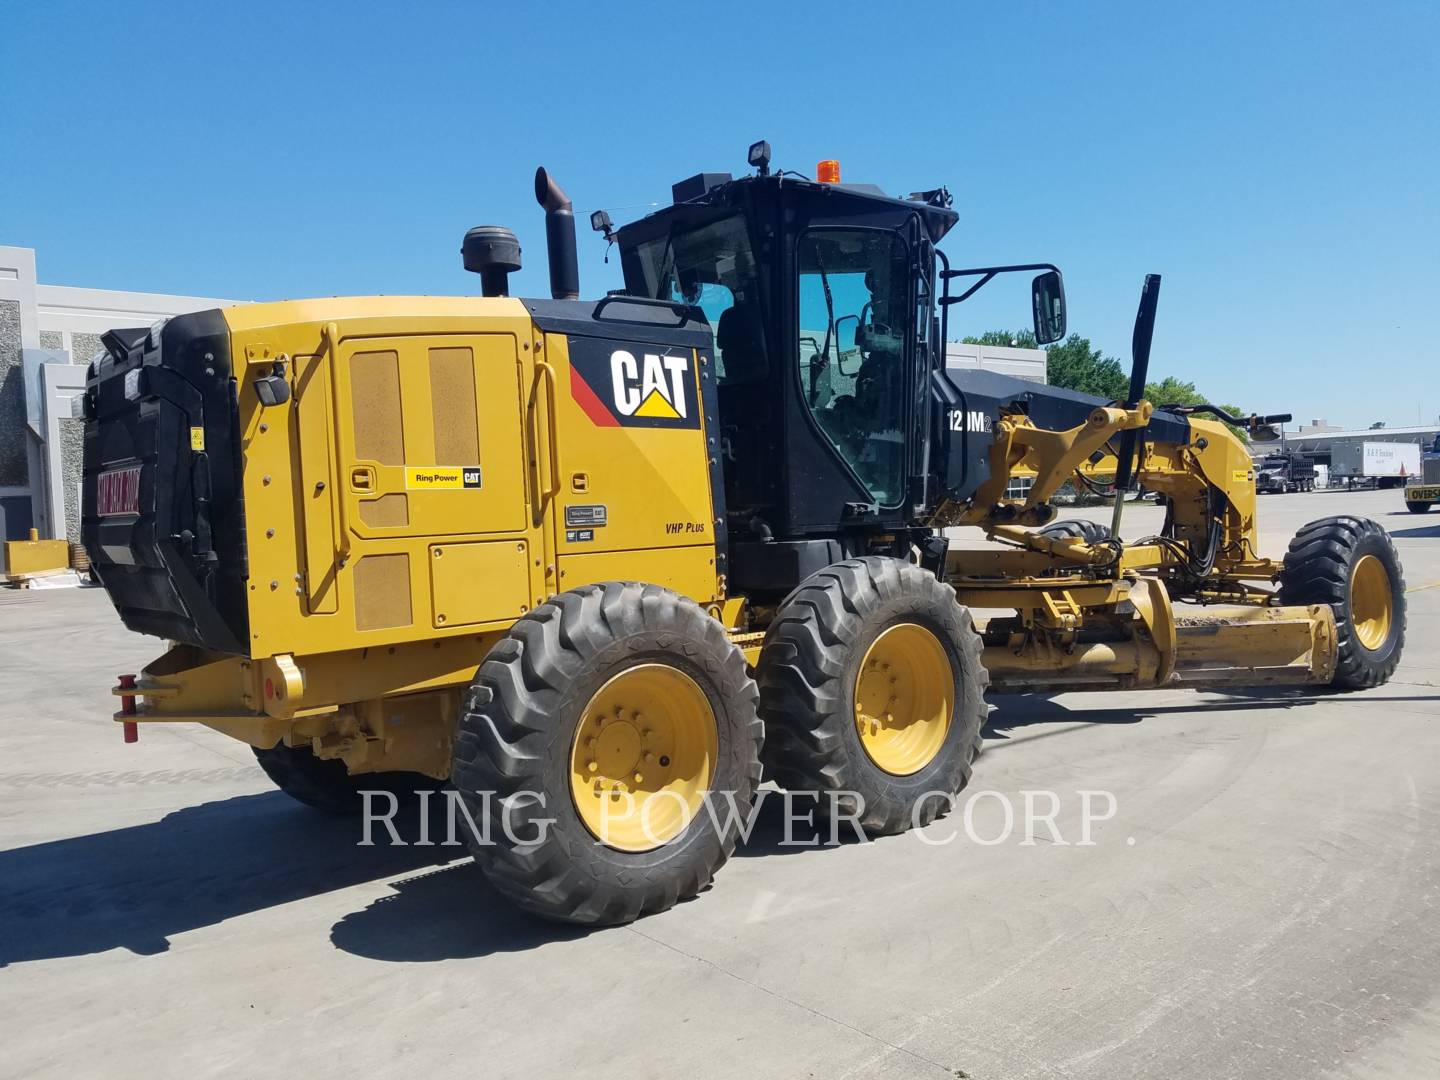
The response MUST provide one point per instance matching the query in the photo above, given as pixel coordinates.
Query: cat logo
(634, 384)
(652, 386)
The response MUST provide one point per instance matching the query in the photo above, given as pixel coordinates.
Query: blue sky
(1279, 164)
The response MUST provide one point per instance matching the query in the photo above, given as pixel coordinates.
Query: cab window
(854, 310)
(712, 267)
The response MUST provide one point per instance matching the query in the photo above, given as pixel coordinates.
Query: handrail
(552, 442)
(340, 515)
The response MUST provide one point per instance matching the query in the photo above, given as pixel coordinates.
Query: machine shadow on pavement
(1420, 532)
(1016, 711)
(136, 887)
(446, 913)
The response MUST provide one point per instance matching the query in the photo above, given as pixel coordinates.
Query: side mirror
(847, 355)
(1048, 299)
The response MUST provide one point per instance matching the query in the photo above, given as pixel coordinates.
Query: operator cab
(822, 297)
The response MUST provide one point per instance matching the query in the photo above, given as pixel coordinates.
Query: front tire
(1350, 563)
(601, 701)
(871, 685)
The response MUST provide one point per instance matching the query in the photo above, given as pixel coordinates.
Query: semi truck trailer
(1379, 464)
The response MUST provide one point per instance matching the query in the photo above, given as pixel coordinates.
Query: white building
(1028, 364)
(48, 334)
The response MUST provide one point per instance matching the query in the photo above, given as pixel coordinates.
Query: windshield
(713, 268)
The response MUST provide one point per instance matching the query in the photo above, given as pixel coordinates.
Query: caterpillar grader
(596, 564)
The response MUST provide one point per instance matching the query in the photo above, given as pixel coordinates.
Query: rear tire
(604, 655)
(1350, 563)
(326, 784)
(818, 687)
(1417, 507)
(1089, 531)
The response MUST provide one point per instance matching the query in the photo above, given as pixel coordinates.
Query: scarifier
(592, 563)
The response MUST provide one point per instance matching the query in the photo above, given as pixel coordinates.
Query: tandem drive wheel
(589, 742)
(326, 784)
(1350, 563)
(871, 685)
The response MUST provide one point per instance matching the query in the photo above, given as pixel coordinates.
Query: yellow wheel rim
(1370, 601)
(904, 695)
(643, 757)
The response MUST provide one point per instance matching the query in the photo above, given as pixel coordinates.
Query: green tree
(1074, 365)
(1018, 339)
(1173, 391)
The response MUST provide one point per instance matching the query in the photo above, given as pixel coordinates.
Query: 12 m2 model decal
(633, 384)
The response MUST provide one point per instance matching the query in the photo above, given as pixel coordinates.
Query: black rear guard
(177, 568)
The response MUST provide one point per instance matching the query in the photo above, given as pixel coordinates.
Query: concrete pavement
(1265, 900)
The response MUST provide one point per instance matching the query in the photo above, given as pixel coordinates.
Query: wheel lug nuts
(664, 761)
(592, 766)
(639, 779)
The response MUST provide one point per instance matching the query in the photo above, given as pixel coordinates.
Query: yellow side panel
(689, 571)
(456, 572)
(653, 481)
(416, 379)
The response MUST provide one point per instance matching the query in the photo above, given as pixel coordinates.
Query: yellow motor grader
(594, 563)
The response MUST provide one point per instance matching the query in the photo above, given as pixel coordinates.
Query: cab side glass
(1048, 297)
(847, 348)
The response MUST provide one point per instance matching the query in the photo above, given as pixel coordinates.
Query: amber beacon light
(828, 171)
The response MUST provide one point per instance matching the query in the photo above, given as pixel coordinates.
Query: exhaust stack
(559, 237)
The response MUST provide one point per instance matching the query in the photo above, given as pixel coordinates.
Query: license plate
(118, 492)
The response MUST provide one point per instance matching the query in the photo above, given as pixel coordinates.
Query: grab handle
(551, 488)
(338, 498)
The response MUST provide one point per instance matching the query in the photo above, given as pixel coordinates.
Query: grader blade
(1279, 646)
